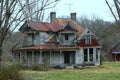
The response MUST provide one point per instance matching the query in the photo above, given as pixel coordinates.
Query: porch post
(40, 57)
(32, 57)
(115, 58)
(88, 53)
(20, 57)
(99, 57)
(94, 55)
(50, 56)
(60, 57)
(25, 57)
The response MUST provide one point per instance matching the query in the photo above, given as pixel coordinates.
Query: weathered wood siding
(79, 57)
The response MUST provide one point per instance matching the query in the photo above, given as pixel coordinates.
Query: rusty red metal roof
(59, 22)
(55, 26)
(39, 26)
(53, 38)
(48, 47)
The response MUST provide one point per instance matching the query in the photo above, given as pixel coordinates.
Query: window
(91, 54)
(87, 39)
(66, 37)
(85, 55)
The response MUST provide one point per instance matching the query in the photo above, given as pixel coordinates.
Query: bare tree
(14, 12)
(116, 13)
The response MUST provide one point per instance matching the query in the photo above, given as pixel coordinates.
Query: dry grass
(108, 71)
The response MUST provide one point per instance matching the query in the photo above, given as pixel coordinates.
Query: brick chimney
(52, 16)
(73, 16)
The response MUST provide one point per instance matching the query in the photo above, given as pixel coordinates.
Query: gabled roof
(87, 32)
(116, 48)
(60, 22)
(55, 26)
(68, 26)
(39, 26)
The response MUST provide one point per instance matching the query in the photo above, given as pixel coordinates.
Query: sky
(84, 8)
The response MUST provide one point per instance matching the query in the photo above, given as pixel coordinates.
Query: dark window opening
(91, 54)
(85, 55)
(88, 31)
(96, 56)
(66, 37)
(66, 58)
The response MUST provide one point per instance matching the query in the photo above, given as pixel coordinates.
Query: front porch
(38, 57)
(79, 57)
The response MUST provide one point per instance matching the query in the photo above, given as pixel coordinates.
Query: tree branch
(111, 11)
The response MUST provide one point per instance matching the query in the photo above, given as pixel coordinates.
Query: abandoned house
(115, 52)
(60, 42)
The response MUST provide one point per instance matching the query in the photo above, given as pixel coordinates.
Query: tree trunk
(1, 52)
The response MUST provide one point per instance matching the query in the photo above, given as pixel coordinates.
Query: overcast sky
(86, 8)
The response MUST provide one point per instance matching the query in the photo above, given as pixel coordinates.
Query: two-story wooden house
(60, 42)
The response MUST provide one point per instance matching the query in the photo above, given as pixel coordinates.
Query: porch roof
(48, 47)
(116, 52)
(116, 49)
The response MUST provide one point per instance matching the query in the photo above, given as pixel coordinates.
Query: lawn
(108, 71)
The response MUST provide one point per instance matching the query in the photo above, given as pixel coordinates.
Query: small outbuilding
(115, 52)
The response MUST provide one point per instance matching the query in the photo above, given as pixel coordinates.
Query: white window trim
(88, 40)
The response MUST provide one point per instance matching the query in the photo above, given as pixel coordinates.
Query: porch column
(21, 57)
(99, 57)
(25, 57)
(60, 57)
(40, 62)
(50, 56)
(32, 57)
(94, 55)
(115, 57)
(88, 53)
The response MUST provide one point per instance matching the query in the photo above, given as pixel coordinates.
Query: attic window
(88, 31)
(66, 37)
(87, 39)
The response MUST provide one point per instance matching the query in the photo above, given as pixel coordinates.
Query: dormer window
(87, 39)
(66, 37)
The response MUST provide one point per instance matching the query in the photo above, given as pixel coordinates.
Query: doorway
(69, 57)
(66, 58)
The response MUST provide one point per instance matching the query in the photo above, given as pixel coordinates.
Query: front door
(46, 57)
(66, 57)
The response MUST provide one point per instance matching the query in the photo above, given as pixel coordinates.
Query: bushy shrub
(9, 71)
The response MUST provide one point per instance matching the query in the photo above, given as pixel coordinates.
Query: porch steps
(69, 67)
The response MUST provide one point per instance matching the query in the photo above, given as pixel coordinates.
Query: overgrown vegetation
(108, 71)
(42, 67)
(9, 71)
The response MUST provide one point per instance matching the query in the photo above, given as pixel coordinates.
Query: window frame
(88, 39)
(66, 36)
